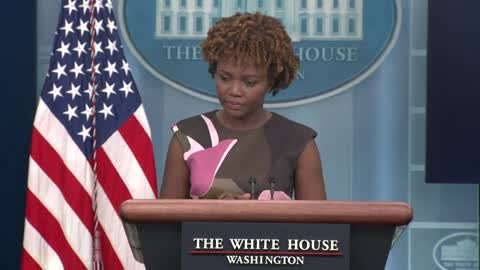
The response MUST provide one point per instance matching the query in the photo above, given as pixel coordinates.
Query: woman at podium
(243, 151)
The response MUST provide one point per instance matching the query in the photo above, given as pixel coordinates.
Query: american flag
(71, 182)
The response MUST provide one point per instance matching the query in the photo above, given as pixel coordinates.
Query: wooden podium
(154, 227)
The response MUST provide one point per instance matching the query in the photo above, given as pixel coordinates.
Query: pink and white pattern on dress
(277, 195)
(204, 163)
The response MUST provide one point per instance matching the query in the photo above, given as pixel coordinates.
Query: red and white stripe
(59, 217)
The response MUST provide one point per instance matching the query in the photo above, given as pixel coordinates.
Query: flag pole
(97, 250)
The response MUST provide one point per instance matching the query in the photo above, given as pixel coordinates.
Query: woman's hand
(229, 196)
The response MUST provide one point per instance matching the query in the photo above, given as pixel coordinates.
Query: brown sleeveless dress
(232, 161)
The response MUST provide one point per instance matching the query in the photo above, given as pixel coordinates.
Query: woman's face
(241, 88)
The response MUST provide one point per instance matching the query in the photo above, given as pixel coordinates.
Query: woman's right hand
(229, 196)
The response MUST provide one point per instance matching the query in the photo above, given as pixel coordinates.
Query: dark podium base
(161, 245)
(154, 229)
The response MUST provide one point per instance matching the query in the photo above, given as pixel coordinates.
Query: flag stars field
(70, 6)
(108, 90)
(112, 46)
(80, 49)
(98, 48)
(106, 111)
(55, 92)
(67, 28)
(71, 112)
(125, 67)
(74, 91)
(85, 133)
(64, 49)
(60, 70)
(111, 68)
(111, 25)
(82, 27)
(77, 70)
(87, 112)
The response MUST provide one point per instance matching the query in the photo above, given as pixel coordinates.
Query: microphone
(272, 187)
(252, 181)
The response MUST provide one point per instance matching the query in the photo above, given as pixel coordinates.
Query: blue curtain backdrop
(18, 71)
(371, 138)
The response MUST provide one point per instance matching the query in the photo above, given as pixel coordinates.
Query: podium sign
(266, 246)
